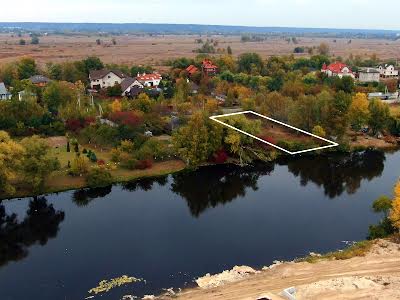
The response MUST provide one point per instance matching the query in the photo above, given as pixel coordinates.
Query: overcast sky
(359, 14)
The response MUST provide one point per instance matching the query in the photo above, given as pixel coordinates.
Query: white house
(128, 83)
(149, 80)
(100, 79)
(337, 69)
(368, 75)
(388, 71)
(4, 94)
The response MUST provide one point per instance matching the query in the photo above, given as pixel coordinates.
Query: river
(172, 229)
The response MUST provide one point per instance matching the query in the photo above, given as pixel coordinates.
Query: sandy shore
(373, 276)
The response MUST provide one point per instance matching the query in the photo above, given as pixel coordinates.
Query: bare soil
(154, 50)
(373, 276)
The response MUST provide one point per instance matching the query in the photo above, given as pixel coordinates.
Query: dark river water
(175, 228)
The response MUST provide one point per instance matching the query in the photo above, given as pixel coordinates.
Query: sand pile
(352, 287)
(236, 274)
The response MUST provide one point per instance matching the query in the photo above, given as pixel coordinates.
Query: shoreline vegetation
(61, 181)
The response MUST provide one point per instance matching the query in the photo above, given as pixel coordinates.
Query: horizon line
(197, 24)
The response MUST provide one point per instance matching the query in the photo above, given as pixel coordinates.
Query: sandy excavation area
(374, 276)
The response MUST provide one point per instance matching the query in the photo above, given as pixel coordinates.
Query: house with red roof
(191, 70)
(337, 69)
(149, 80)
(209, 68)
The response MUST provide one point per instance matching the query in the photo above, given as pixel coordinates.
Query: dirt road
(374, 276)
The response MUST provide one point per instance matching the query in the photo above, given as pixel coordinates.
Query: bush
(144, 164)
(99, 177)
(220, 156)
(79, 166)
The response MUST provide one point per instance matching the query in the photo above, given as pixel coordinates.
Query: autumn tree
(239, 144)
(250, 63)
(379, 115)
(196, 141)
(359, 111)
(276, 106)
(26, 68)
(116, 106)
(143, 103)
(37, 163)
(395, 212)
(11, 154)
(59, 93)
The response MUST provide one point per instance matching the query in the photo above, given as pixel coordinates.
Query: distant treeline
(144, 28)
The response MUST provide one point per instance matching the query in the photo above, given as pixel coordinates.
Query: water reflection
(211, 186)
(145, 184)
(39, 225)
(83, 197)
(338, 173)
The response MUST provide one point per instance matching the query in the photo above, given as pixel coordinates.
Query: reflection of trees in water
(145, 184)
(83, 197)
(39, 225)
(338, 173)
(210, 186)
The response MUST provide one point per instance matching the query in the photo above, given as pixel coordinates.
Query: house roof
(135, 90)
(369, 70)
(35, 79)
(3, 89)
(191, 69)
(99, 74)
(336, 67)
(127, 82)
(149, 77)
(207, 64)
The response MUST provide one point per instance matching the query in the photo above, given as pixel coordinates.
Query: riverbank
(368, 271)
(61, 181)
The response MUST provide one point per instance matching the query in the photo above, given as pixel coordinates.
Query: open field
(156, 49)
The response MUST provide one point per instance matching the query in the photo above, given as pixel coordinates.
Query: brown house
(39, 80)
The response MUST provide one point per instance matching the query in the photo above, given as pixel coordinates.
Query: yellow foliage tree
(359, 111)
(116, 106)
(395, 212)
(11, 155)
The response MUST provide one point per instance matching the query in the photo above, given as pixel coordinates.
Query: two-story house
(4, 94)
(337, 69)
(388, 71)
(100, 79)
(368, 75)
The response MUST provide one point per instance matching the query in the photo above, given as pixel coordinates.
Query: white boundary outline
(332, 144)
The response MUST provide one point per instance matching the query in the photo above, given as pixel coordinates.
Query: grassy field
(156, 49)
(62, 181)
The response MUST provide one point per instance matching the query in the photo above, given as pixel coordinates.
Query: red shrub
(269, 140)
(101, 162)
(74, 125)
(220, 156)
(128, 118)
(144, 164)
(89, 120)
